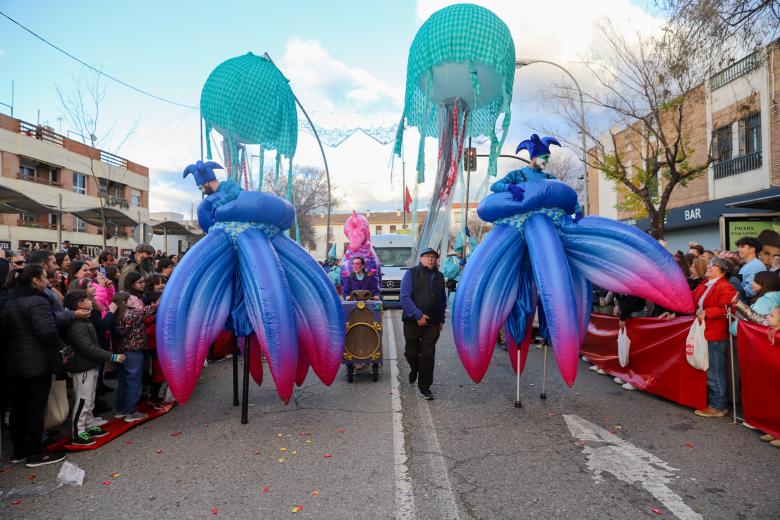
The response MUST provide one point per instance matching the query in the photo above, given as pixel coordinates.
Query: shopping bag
(57, 406)
(624, 344)
(696, 349)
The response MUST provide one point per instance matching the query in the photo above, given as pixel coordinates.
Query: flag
(407, 201)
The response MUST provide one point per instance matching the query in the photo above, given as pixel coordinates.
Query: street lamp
(524, 62)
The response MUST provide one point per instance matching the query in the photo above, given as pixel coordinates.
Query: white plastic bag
(624, 345)
(696, 348)
(70, 474)
(57, 407)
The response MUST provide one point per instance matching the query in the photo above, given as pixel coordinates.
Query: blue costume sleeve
(410, 309)
(373, 285)
(500, 185)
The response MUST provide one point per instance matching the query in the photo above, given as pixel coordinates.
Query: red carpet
(114, 427)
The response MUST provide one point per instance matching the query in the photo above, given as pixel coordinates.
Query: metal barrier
(734, 71)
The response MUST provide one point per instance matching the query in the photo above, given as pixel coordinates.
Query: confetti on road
(205, 424)
(657, 511)
(116, 475)
(580, 443)
(315, 493)
(128, 442)
(297, 509)
(158, 451)
(302, 433)
(280, 460)
(175, 434)
(106, 482)
(214, 511)
(551, 414)
(689, 446)
(278, 434)
(328, 456)
(309, 441)
(16, 502)
(257, 452)
(32, 476)
(340, 430)
(266, 489)
(282, 449)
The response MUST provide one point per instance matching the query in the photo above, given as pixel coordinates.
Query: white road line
(611, 454)
(436, 465)
(404, 495)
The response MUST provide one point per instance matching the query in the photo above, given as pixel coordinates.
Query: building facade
(57, 184)
(736, 116)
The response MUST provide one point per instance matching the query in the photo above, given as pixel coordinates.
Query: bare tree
(743, 23)
(310, 196)
(567, 168)
(81, 104)
(649, 92)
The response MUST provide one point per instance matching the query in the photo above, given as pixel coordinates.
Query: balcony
(39, 180)
(37, 225)
(743, 163)
(736, 70)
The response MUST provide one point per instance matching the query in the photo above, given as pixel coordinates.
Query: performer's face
(357, 266)
(542, 161)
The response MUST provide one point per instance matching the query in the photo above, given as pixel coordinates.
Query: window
(28, 217)
(723, 143)
(54, 176)
(379, 230)
(27, 172)
(79, 225)
(53, 219)
(79, 183)
(392, 229)
(753, 133)
(136, 197)
(312, 246)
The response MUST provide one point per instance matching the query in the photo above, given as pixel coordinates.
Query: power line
(71, 56)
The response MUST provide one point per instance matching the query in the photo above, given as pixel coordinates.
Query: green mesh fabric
(249, 101)
(459, 33)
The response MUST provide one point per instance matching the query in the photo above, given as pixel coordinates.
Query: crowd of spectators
(68, 316)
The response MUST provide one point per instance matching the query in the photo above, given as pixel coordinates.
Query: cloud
(168, 192)
(323, 82)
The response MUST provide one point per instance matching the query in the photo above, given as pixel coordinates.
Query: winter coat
(84, 342)
(31, 342)
(715, 303)
(130, 331)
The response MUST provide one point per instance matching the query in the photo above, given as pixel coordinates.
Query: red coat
(719, 297)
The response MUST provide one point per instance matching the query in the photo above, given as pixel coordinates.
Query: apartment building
(737, 113)
(51, 189)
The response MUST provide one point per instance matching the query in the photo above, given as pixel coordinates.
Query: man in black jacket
(424, 301)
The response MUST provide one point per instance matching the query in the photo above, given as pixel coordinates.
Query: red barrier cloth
(759, 363)
(657, 361)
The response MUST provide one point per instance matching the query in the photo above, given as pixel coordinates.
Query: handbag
(57, 406)
(696, 347)
(624, 345)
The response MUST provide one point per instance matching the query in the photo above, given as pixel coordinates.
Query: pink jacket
(104, 295)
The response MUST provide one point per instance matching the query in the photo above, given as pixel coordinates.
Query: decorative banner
(657, 361)
(759, 363)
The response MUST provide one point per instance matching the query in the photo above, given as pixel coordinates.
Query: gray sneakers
(135, 416)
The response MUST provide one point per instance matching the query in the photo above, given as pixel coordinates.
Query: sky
(346, 62)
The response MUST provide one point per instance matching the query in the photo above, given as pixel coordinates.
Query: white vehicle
(393, 251)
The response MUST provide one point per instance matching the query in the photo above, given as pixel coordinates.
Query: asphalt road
(377, 450)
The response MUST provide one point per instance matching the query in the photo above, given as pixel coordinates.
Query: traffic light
(470, 160)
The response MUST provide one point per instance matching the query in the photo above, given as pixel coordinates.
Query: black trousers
(420, 351)
(27, 408)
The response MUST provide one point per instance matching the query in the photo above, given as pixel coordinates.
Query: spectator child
(83, 369)
(748, 250)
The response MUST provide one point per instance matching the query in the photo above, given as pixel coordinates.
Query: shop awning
(113, 216)
(769, 202)
(172, 227)
(12, 201)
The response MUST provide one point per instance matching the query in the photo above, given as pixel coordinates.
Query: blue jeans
(130, 382)
(716, 375)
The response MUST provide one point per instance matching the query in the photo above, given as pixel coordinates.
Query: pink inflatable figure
(356, 230)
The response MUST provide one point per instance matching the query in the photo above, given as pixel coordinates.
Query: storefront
(700, 223)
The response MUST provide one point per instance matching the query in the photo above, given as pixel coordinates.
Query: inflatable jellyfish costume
(246, 274)
(538, 256)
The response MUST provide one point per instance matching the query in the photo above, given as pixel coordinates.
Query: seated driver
(359, 279)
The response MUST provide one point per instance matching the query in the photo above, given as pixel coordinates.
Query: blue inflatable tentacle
(522, 315)
(321, 321)
(621, 258)
(269, 307)
(485, 297)
(556, 292)
(583, 293)
(193, 310)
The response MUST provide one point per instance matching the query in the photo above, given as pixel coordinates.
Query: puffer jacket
(82, 337)
(31, 342)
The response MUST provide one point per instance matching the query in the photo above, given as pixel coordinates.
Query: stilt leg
(518, 404)
(245, 383)
(543, 395)
(235, 372)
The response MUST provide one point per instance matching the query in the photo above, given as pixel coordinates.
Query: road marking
(611, 454)
(404, 495)
(435, 461)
